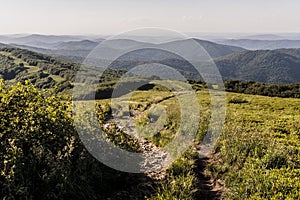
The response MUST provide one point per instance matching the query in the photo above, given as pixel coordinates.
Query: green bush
(238, 100)
(38, 142)
(41, 156)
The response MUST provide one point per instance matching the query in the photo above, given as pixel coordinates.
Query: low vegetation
(258, 153)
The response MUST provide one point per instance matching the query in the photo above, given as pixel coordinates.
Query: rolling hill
(261, 66)
(292, 52)
(18, 65)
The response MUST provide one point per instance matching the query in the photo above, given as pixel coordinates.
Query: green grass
(16, 60)
(57, 78)
(259, 145)
(181, 181)
(32, 69)
(257, 155)
(5, 53)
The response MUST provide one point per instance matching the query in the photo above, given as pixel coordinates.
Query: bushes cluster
(41, 156)
(256, 88)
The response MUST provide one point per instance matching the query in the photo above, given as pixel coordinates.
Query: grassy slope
(259, 147)
(18, 65)
(258, 154)
(30, 69)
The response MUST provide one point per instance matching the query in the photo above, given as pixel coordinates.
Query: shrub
(238, 100)
(41, 156)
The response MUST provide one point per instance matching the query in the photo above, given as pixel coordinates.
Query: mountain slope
(43, 41)
(264, 37)
(292, 52)
(17, 65)
(213, 49)
(262, 66)
(276, 66)
(268, 66)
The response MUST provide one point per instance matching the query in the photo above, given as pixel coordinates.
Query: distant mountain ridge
(76, 45)
(252, 44)
(77, 51)
(44, 41)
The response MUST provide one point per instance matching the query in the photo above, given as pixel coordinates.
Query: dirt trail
(209, 188)
(154, 157)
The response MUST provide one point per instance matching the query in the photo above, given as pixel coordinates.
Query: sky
(114, 16)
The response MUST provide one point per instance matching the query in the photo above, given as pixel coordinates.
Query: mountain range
(234, 62)
(43, 41)
(77, 51)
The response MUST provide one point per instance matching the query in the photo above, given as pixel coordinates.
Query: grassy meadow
(257, 155)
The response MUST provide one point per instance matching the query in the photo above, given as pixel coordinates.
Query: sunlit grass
(257, 154)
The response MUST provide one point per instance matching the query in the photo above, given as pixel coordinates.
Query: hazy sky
(114, 16)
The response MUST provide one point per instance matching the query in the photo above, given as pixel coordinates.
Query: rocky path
(209, 188)
(154, 157)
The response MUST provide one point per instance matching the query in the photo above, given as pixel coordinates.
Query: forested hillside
(19, 65)
(261, 66)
